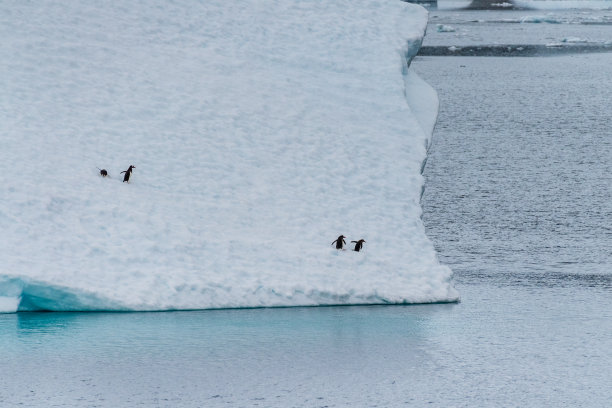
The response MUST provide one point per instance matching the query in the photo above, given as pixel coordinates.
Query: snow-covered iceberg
(259, 132)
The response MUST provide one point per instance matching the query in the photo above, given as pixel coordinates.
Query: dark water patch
(542, 20)
(524, 20)
(546, 279)
(513, 50)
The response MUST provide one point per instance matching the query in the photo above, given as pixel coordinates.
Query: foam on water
(259, 134)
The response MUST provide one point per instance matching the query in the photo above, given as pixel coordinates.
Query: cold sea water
(517, 203)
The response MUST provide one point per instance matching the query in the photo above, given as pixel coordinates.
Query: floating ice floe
(259, 132)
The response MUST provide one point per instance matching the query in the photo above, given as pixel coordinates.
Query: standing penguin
(103, 172)
(340, 242)
(358, 245)
(128, 173)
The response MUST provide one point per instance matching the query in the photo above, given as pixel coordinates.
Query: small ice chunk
(540, 19)
(573, 40)
(9, 304)
(443, 28)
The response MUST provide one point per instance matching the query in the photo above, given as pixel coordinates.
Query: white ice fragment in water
(9, 304)
(573, 40)
(540, 19)
(442, 28)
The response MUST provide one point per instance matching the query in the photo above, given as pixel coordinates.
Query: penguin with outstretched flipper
(128, 173)
(340, 242)
(358, 245)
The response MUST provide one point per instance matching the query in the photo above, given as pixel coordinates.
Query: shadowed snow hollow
(259, 132)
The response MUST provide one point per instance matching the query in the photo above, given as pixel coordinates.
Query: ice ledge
(21, 294)
(25, 295)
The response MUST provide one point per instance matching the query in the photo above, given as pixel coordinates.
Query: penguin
(128, 173)
(340, 242)
(358, 245)
(103, 172)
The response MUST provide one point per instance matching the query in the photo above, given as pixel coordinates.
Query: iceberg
(259, 132)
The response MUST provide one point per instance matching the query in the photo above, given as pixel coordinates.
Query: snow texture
(259, 132)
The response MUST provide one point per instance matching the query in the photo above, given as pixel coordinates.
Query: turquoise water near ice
(517, 204)
(501, 346)
(265, 357)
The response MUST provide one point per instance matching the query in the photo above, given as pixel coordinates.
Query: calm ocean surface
(517, 202)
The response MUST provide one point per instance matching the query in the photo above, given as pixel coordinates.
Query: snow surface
(259, 132)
